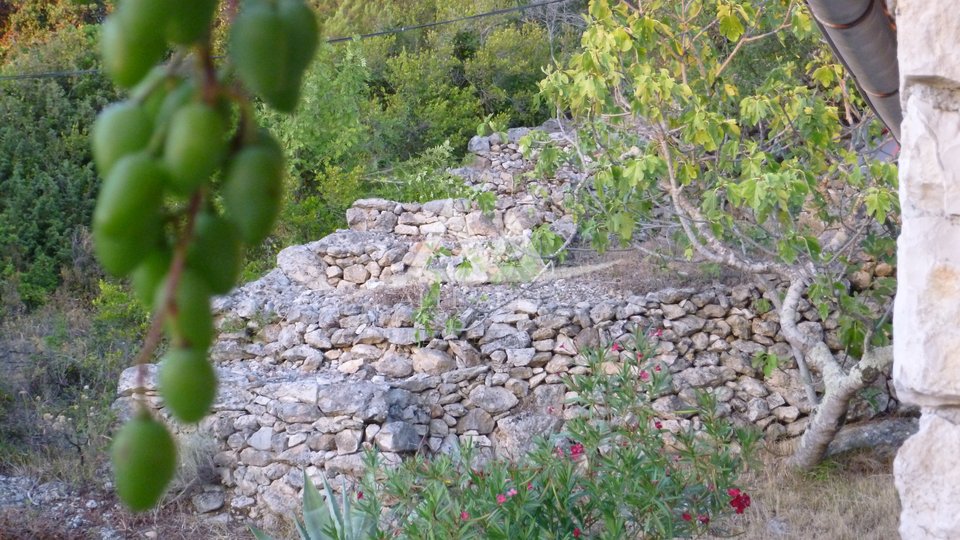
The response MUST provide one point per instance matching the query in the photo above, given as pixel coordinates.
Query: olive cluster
(189, 179)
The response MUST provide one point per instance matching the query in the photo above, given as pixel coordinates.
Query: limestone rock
(398, 437)
(477, 420)
(432, 361)
(515, 435)
(925, 470)
(394, 365)
(493, 399)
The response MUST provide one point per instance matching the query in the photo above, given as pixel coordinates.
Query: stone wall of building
(926, 340)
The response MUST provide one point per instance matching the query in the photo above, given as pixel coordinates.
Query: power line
(448, 21)
(83, 72)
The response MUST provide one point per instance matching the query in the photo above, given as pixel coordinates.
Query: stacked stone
(328, 377)
(321, 359)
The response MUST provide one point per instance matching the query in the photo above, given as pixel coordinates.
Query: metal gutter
(863, 35)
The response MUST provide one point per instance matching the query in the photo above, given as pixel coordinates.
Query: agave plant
(328, 519)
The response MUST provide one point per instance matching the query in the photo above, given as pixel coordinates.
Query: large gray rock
(477, 420)
(516, 435)
(302, 265)
(130, 380)
(432, 361)
(493, 399)
(394, 365)
(398, 437)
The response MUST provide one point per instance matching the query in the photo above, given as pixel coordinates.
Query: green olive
(120, 129)
(188, 383)
(144, 459)
(132, 40)
(191, 323)
(149, 274)
(189, 20)
(130, 195)
(259, 48)
(253, 191)
(216, 252)
(195, 144)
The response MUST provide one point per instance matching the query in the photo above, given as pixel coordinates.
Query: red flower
(359, 495)
(657, 424)
(656, 368)
(703, 518)
(576, 532)
(529, 486)
(686, 516)
(464, 516)
(644, 376)
(576, 450)
(501, 498)
(616, 347)
(738, 500)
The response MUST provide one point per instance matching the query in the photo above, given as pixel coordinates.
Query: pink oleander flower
(576, 532)
(529, 486)
(644, 375)
(511, 493)
(359, 495)
(703, 518)
(686, 516)
(501, 498)
(739, 500)
(616, 347)
(657, 368)
(657, 424)
(576, 450)
(464, 516)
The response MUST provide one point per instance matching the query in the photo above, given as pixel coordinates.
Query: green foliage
(47, 181)
(427, 315)
(766, 362)
(325, 518)
(327, 129)
(26, 23)
(728, 114)
(614, 473)
(505, 71)
(58, 412)
(424, 178)
(422, 106)
(548, 243)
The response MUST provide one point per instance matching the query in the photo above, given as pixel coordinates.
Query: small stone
(208, 501)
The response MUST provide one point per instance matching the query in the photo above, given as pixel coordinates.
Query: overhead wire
(401, 29)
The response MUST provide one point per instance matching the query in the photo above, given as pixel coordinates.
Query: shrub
(47, 181)
(615, 472)
(505, 72)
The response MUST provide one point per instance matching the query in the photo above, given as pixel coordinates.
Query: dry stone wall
(321, 359)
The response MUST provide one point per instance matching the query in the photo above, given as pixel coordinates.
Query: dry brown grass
(852, 497)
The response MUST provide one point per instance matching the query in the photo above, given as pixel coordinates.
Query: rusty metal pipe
(863, 35)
